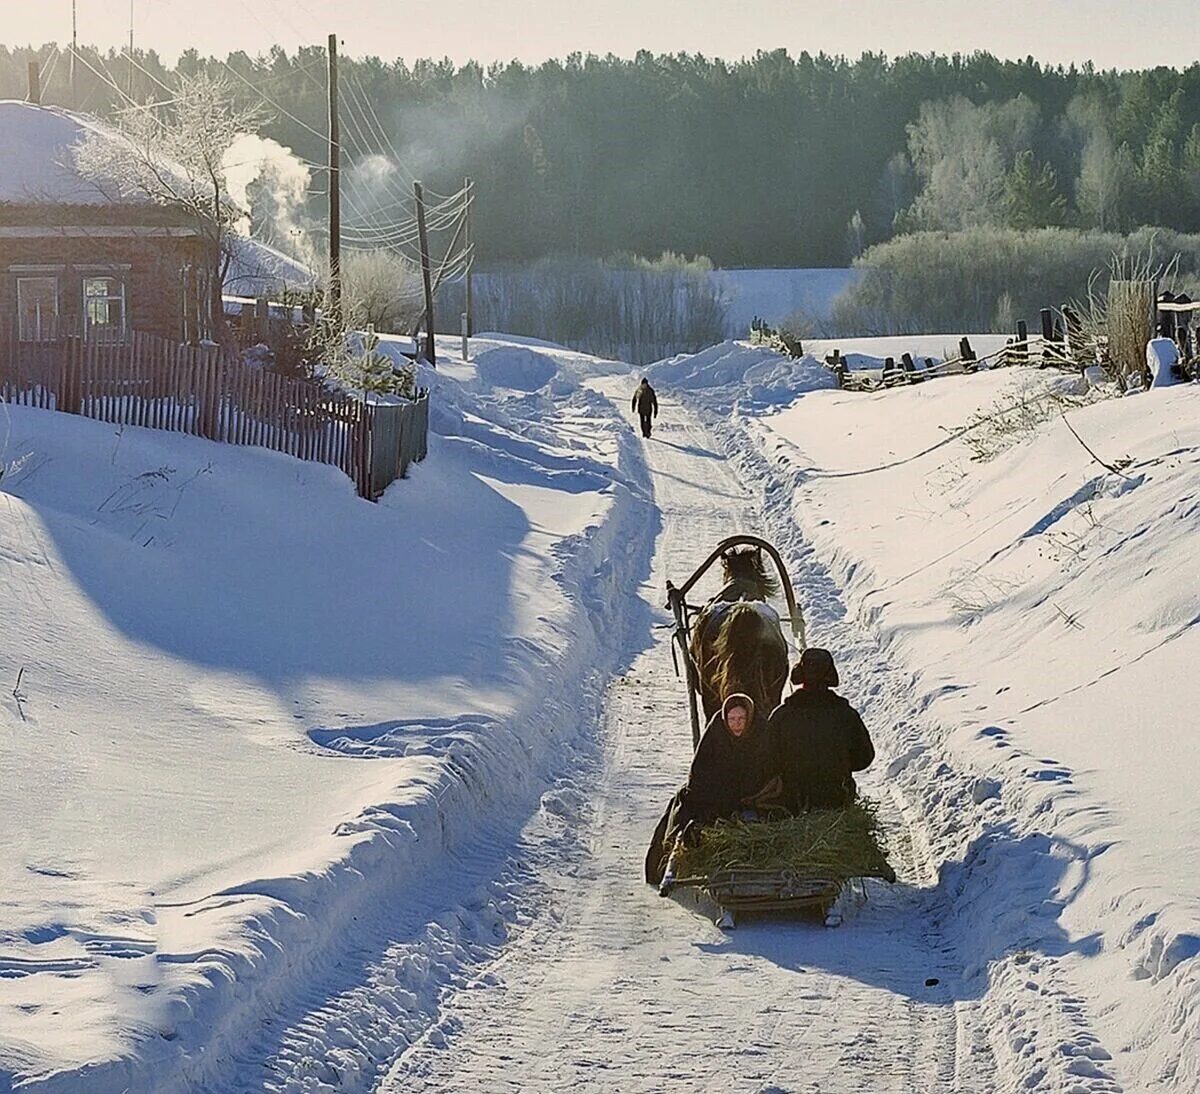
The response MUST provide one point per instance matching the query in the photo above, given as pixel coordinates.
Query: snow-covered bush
(982, 279)
(385, 290)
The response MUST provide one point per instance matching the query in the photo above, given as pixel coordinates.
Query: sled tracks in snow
(611, 988)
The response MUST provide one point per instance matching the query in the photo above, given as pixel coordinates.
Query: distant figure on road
(645, 402)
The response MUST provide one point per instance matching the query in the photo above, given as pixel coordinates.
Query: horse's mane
(740, 661)
(746, 563)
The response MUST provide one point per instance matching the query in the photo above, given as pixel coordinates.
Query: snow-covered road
(611, 988)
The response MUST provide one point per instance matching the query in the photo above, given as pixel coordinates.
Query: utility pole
(131, 49)
(74, 51)
(430, 351)
(335, 195)
(469, 197)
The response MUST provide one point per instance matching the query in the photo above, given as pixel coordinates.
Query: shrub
(981, 279)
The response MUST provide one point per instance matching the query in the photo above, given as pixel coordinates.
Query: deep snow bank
(739, 372)
(1046, 609)
(253, 707)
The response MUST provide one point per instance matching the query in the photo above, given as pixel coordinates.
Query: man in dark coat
(732, 769)
(819, 738)
(645, 402)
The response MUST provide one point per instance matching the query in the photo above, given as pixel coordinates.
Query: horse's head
(745, 565)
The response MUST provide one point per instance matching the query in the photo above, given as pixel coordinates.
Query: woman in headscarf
(732, 770)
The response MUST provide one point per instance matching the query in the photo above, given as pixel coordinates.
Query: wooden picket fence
(142, 380)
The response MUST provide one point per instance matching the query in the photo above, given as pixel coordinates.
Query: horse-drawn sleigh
(735, 645)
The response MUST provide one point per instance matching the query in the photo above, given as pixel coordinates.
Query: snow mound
(1036, 594)
(754, 375)
(229, 766)
(515, 367)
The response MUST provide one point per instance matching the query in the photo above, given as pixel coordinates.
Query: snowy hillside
(253, 708)
(1044, 610)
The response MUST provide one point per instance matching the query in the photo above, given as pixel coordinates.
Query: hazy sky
(1112, 33)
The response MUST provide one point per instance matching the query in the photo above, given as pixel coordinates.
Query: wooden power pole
(335, 195)
(422, 236)
(74, 51)
(469, 197)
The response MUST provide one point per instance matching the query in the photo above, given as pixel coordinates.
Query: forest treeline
(772, 160)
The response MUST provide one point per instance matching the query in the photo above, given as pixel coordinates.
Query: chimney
(35, 83)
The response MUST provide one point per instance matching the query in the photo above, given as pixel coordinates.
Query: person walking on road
(645, 402)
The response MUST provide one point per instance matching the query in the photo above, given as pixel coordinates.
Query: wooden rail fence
(139, 379)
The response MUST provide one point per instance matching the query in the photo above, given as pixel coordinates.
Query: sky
(1111, 33)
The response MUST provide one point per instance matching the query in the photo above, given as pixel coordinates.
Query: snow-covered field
(308, 794)
(776, 295)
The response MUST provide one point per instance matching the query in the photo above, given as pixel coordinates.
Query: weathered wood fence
(147, 381)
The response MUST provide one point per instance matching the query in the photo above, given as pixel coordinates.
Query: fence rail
(139, 379)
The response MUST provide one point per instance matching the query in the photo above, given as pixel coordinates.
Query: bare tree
(173, 154)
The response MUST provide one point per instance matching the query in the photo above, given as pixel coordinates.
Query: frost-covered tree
(1107, 181)
(855, 236)
(383, 290)
(961, 152)
(173, 154)
(894, 193)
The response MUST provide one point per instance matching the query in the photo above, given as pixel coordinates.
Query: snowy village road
(610, 988)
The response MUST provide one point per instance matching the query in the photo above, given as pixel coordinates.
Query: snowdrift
(1045, 607)
(516, 367)
(738, 372)
(254, 711)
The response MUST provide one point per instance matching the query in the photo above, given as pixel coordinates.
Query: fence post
(1021, 354)
(1183, 326)
(1166, 319)
(1048, 351)
(966, 355)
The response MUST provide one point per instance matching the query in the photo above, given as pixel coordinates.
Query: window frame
(112, 331)
(24, 277)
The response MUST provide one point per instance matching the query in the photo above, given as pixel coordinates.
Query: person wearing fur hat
(820, 739)
(733, 769)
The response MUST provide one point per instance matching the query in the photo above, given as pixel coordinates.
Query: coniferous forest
(775, 160)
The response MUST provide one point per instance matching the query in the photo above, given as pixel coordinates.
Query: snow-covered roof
(37, 165)
(258, 269)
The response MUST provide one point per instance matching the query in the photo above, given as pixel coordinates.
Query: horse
(738, 643)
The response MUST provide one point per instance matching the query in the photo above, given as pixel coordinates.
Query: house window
(104, 305)
(37, 307)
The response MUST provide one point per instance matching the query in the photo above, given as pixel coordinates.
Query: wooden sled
(750, 890)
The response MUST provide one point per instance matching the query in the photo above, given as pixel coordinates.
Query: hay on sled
(835, 843)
